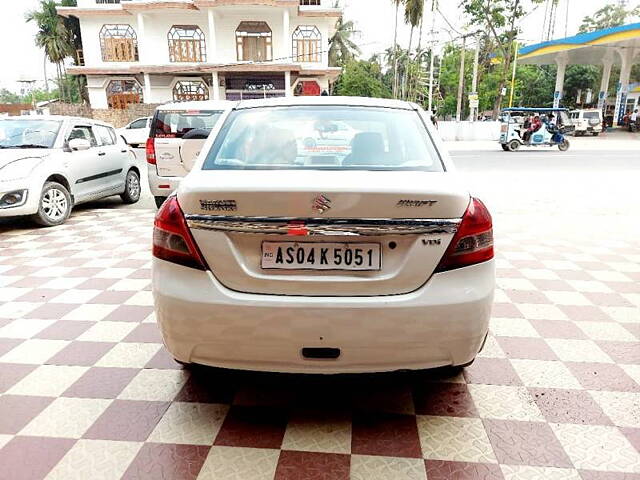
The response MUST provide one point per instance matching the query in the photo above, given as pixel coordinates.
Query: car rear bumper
(161, 186)
(443, 323)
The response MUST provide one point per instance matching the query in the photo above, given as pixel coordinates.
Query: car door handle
(101, 154)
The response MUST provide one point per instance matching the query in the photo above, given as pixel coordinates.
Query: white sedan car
(370, 258)
(50, 164)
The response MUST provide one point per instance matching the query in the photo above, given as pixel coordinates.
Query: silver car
(49, 164)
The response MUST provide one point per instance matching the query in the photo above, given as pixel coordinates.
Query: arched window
(121, 93)
(307, 44)
(118, 43)
(190, 90)
(253, 42)
(187, 44)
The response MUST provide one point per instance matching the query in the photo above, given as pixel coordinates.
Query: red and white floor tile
(87, 390)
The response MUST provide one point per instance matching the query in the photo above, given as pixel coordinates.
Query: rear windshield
(591, 115)
(327, 137)
(175, 123)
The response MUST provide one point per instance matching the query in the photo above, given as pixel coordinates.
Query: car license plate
(321, 256)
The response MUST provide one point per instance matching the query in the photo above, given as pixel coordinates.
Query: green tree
(9, 97)
(500, 19)
(52, 36)
(611, 15)
(579, 77)
(362, 78)
(341, 48)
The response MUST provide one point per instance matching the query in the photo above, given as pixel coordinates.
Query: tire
(513, 145)
(131, 188)
(54, 206)
(185, 365)
(595, 134)
(160, 201)
(504, 147)
(564, 146)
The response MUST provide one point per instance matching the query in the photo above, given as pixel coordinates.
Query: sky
(374, 20)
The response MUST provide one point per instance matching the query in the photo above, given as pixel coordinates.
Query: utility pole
(461, 80)
(432, 33)
(513, 74)
(473, 97)
(566, 20)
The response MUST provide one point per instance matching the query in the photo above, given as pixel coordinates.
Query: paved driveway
(87, 390)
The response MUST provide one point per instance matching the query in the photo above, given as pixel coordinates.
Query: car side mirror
(79, 144)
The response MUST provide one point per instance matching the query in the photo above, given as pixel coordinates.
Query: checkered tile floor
(87, 390)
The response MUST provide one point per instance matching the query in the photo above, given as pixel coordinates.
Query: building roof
(583, 48)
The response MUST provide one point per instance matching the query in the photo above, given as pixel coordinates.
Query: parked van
(587, 121)
(178, 132)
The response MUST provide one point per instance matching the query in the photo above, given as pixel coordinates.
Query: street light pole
(474, 82)
(461, 80)
(431, 52)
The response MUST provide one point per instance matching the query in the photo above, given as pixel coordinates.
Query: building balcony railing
(304, 3)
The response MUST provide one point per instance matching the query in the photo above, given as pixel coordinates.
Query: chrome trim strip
(324, 226)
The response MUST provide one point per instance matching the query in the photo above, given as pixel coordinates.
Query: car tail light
(473, 242)
(172, 240)
(151, 151)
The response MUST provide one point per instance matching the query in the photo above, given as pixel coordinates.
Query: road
(555, 393)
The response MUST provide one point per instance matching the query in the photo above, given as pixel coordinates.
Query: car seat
(367, 148)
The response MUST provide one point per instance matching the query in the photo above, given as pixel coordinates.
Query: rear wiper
(30, 145)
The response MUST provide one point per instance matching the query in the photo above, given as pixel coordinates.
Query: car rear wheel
(132, 188)
(160, 201)
(504, 147)
(55, 205)
(514, 145)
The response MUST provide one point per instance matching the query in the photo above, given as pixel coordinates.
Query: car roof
(198, 105)
(326, 100)
(60, 118)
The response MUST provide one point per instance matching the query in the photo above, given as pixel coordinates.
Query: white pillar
(604, 83)
(215, 86)
(212, 47)
(147, 88)
(623, 85)
(142, 43)
(561, 62)
(286, 36)
(287, 84)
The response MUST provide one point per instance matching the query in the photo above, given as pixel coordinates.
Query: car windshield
(326, 137)
(175, 123)
(591, 114)
(21, 133)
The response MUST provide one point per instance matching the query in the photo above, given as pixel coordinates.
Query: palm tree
(52, 36)
(341, 48)
(413, 10)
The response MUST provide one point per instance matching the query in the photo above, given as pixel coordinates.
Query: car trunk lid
(407, 217)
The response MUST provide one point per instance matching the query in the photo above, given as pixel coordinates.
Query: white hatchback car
(50, 164)
(368, 257)
(136, 132)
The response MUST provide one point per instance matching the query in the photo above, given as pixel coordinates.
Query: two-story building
(156, 51)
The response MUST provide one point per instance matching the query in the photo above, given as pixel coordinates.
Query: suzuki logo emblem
(321, 204)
